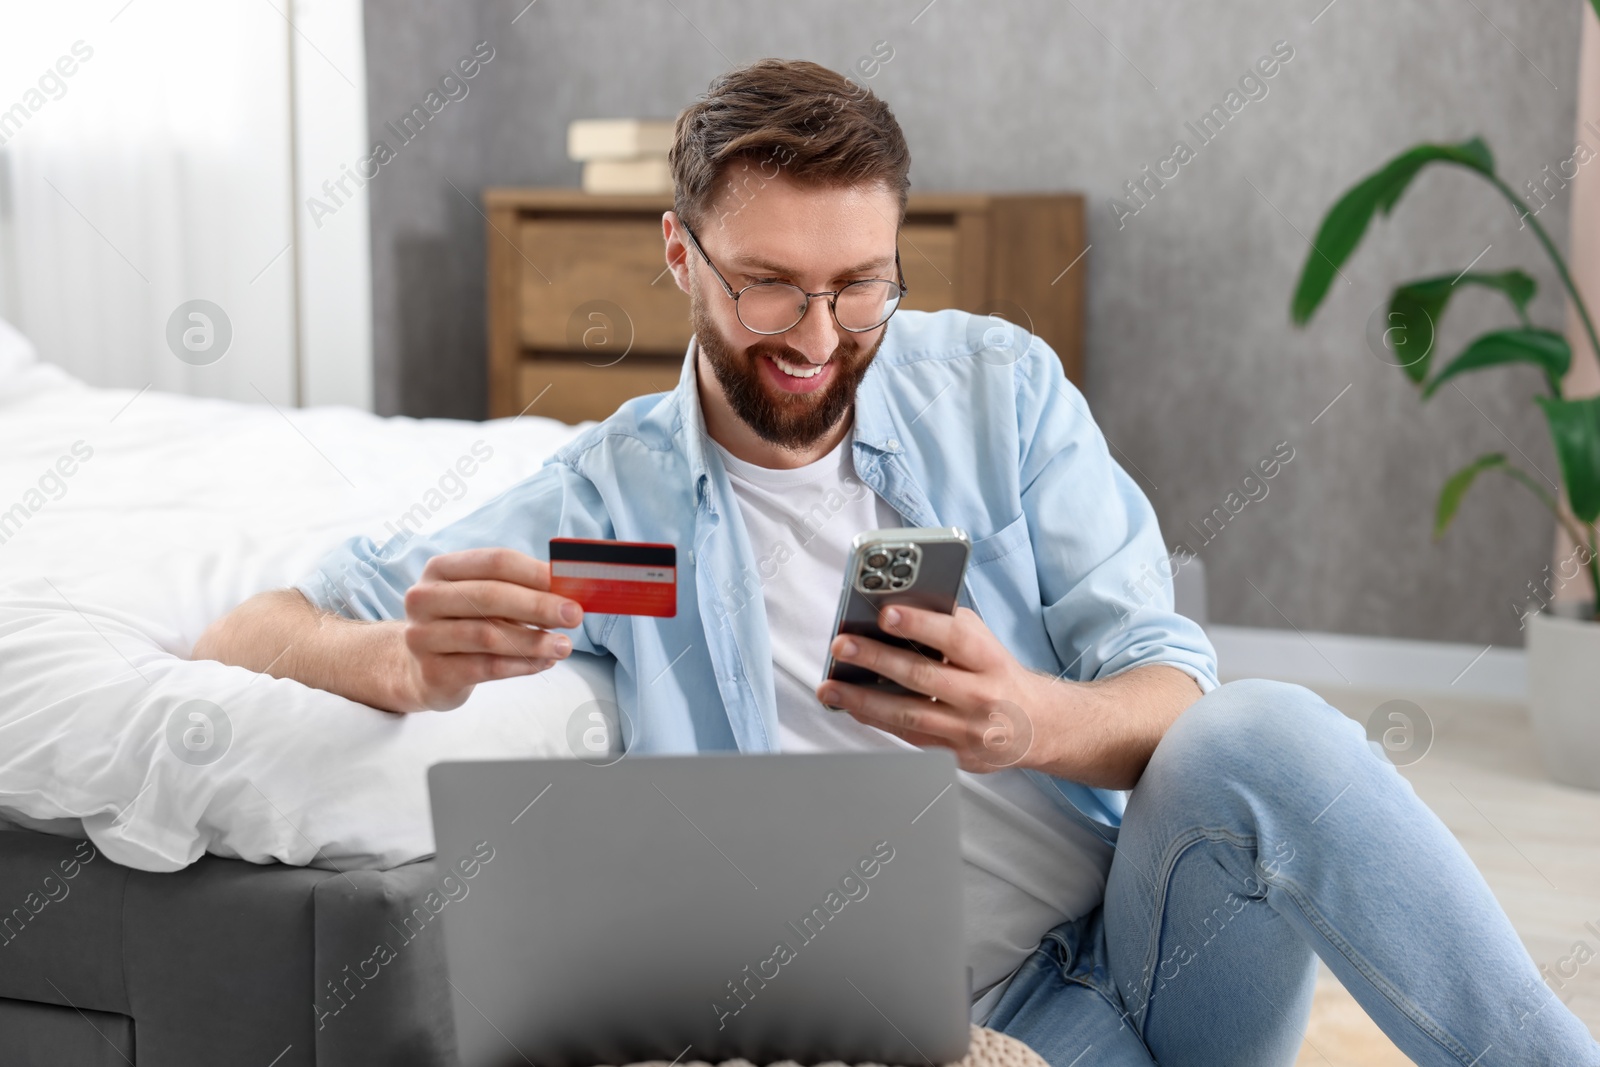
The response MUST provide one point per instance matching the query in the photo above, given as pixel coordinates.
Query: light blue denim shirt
(1067, 568)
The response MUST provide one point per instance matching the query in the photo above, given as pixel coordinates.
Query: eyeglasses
(777, 307)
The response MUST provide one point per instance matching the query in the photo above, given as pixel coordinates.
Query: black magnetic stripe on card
(614, 552)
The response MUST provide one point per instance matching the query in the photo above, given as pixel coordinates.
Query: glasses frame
(831, 294)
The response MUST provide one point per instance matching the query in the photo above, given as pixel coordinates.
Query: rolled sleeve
(359, 579)
(1105, 576)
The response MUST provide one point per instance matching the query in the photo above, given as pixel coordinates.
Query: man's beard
(789, 420)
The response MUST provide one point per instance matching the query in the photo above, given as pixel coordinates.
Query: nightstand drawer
(586, 264)
(567, 388)
(928, 257)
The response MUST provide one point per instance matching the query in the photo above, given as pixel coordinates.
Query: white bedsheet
(176, 509)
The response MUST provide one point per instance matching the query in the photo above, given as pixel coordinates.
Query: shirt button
(892, 444)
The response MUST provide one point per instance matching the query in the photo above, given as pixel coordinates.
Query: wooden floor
(1537, 844)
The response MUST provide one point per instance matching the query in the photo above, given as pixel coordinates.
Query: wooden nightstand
(582, 314)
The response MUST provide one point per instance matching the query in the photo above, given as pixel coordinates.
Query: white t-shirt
(1027, 866)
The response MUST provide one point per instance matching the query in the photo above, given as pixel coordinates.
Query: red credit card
(616, 577)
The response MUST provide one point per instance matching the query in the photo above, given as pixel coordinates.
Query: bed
(178, 890)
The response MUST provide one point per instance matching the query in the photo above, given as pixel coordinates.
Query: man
(1178, 926)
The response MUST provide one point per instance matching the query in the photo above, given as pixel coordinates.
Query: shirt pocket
(1002, 586)
(1004, 541)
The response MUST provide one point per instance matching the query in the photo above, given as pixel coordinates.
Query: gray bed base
(224, 962)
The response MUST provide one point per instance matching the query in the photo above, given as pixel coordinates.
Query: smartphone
(917, 567)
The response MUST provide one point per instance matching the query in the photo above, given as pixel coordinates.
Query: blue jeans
(1266, 832)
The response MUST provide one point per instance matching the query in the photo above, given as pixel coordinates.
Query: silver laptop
(708, 907)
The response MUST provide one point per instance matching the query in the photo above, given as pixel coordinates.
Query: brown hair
(783, 116)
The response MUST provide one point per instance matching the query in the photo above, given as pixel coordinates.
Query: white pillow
(20, 370)
(16, 351)
(98, 726)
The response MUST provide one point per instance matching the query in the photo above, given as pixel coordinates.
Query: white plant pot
(1564, 696)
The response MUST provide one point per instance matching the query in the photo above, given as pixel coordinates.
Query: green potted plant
(1563, 650)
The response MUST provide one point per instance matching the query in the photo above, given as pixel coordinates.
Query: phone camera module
(889, 568)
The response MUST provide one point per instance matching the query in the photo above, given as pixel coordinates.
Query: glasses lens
(771, 307)
(866, 305)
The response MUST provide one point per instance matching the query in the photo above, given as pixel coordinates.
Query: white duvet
(128, 522)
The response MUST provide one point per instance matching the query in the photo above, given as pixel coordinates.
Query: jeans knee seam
(1403, 1004)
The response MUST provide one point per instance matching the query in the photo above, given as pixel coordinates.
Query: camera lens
(900, 570)
(873, 581)
(877, 559)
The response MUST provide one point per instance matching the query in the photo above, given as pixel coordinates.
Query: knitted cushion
(989, 1049)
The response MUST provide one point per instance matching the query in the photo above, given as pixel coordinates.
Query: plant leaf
(1456, 486)
(1416, 308)
(1575, 428)
(1545, 349)
(1346, 222)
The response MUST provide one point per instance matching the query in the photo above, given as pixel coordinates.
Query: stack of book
(622, 155)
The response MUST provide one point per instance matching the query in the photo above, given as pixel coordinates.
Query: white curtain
(145, 162)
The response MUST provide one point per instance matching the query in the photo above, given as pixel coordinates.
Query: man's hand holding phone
(478, 615)
(972, 702)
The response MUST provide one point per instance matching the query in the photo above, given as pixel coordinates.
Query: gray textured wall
(1194, 370)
